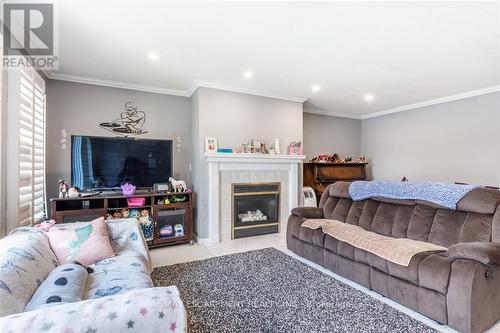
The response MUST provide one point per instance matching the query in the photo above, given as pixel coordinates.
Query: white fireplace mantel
(247, 162)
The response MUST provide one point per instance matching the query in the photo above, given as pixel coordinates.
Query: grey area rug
(269, 291)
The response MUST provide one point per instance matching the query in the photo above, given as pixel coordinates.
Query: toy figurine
(125, 213)
(177, 185)
(178, 230)
(117, 215)
(166, 202)
(178, 198)
(73, 193)
(134, 213)
(144, 218)
(128, 189)
(63, 188)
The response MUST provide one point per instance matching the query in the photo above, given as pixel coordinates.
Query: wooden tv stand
(90, 207)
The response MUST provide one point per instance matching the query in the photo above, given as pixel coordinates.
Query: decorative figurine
(125, 213)
(73, 193)
(144, 218)
(128, 189)
(177, 185)
(134, 213)
(117, 215)
(295, 148)
(361, 159)
(63, 188)
(178, 198)
(277, 146)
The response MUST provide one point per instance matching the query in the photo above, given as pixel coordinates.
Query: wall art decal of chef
(130, 122)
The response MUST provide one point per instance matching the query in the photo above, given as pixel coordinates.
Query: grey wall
(454, 141)
(234, 118)
(327, 135)
(76, 108)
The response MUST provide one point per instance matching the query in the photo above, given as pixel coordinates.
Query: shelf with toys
(165, 217)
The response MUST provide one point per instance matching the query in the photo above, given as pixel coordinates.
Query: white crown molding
(204, 84)
(468, 94)
(333, 114)
(176, 92)
(117, 84)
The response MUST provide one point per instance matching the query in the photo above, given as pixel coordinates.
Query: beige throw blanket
(396, 250)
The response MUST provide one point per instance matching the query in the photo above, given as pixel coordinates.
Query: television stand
(165, 216)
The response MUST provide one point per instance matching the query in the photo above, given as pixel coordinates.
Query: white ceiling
(401, 52)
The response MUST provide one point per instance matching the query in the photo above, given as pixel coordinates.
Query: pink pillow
(83, 242)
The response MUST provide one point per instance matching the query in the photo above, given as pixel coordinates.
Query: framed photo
(211, 145)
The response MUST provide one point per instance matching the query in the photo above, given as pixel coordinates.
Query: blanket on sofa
(443, 194)
(396, 250)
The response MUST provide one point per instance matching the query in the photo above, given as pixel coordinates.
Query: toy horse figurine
(177, 185)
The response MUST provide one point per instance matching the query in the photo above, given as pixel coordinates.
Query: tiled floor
(185, 253)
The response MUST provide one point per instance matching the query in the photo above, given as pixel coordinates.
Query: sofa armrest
(142, 310)
(308, 212)
(487, 253)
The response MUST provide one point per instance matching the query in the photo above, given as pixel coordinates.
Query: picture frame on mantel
(211, 145)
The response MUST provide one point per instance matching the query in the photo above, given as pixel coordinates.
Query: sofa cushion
(84, 242)
(408, 273)
(65, 284)
(118, 275)
(25, 261)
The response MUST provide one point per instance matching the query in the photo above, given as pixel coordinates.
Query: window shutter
(31, 207)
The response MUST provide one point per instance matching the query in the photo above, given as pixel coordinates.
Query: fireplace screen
(256, 209)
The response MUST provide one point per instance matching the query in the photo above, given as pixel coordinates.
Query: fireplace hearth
(255, 209)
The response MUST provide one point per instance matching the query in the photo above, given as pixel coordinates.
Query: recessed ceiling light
(153, 56)
(316, 88)
(247, 74)
(369, 97)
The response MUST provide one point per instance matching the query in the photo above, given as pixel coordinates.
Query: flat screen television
(103, 163)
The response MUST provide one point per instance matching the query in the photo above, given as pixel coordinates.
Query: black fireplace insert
(256, 209)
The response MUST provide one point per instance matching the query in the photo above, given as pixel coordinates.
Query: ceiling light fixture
(368, 97)
(153, 56)
(247, 74)
(316, 88)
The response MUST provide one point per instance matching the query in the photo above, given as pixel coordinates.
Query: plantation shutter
(31, 207)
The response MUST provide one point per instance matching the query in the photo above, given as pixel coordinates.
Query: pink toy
(136, 202)
(128, 189)
(45, 225)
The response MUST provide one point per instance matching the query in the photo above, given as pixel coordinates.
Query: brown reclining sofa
(459, 287)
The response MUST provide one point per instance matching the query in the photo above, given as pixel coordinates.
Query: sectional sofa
(459, 286)
(117, 296)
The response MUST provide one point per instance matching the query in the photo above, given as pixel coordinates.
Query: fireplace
(255, 209)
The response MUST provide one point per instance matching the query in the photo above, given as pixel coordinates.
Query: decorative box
(136, 202)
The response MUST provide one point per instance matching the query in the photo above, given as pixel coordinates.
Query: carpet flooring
(269, 291)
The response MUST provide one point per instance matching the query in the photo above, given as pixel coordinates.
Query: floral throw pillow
(86, 243)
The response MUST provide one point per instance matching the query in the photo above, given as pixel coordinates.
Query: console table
(88, 208)
(320, 175)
